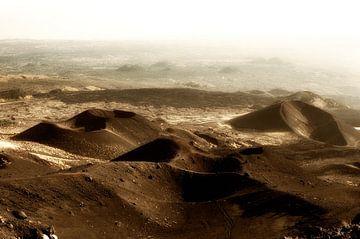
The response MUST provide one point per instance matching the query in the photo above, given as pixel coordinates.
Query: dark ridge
(208, 138)
(175, 97)
(206, 163)
(210, 187)
(96, 119)
(271, 201)
(252, 151)
(338, 169)
(89, 121)
(159, 150)
(12, 94)
(227, 164)
(124, 114)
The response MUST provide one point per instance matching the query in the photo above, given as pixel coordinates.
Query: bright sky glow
(322, 31)
(178, 19)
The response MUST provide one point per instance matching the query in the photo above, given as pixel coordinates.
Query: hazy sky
(324, 28)
(178, 19)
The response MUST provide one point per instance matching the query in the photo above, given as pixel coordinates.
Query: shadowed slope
(182, 154)
(267, 119)
(159, 150)
(174, 196)
(120, 200)
(301, 118)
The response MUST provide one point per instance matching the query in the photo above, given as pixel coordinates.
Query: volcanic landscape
(109, 166)
(113, 141)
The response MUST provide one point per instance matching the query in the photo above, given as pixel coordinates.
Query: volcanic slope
(170, 187)
(147, 200)
(301, 118)
(182, 153)
(94, 133)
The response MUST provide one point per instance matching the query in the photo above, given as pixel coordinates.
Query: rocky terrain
(177, 163)
(120, 140)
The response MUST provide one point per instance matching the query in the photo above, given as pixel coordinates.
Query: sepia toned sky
(177, 19)
(325, 29)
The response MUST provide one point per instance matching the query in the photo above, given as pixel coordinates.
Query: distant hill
(162, 66)
(228, 70)
(302, 119)
(279, 92)
(313, 99)
(130, 68)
